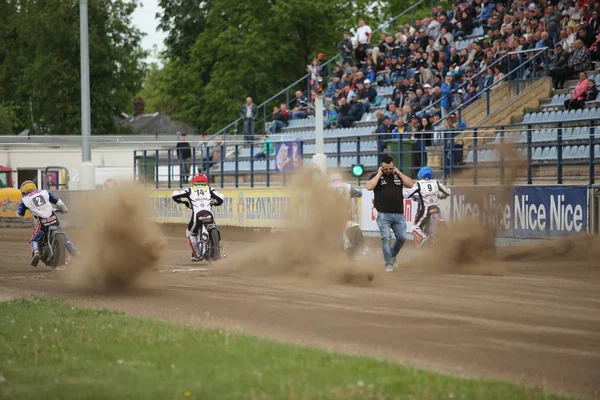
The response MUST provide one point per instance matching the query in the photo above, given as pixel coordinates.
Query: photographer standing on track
(387, 185)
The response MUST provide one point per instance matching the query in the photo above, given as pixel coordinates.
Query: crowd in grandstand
(434, 70)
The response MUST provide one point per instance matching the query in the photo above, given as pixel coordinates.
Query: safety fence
(541, 151)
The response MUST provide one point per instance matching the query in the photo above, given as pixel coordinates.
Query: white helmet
(334, 176)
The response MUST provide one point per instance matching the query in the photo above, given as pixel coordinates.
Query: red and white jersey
(199, 198)
(428, 192)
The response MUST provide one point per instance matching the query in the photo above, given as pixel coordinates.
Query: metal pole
(559, 154)
(592, 152)
(319, 159)
(85, 80)
(501, 155)
(475, 156)
(529, 180)
(87, 171)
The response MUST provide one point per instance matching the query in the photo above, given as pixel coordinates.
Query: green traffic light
(358, 170)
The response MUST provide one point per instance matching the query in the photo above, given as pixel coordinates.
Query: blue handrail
(343, 156)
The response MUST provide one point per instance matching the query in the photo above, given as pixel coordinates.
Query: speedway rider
(346, 190)
(427, 192)
(200, 197)
(39, 203)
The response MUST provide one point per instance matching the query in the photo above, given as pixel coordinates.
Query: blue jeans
(388, 222)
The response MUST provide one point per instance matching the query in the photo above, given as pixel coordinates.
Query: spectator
(392, 113)
(184, 154)
(585, 37)
(331, 117)
(369, 95)
(314, 69)
(448, 89)
(471, 95)
(346, 48)
(592, 92)
(279, 120)
(387, 185)
(383, 133)
(364, 33)
(578, 97)
(354, 114)
(248, 114)
(463, 26)
(267, 148)
(301, 109)
(579, 60)
(593, 25)
(205, 153)
(563, 42)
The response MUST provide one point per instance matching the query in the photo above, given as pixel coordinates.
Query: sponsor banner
(529, 212)
(368, 218)
(268, 208)
(252, 208)
(9, 201)
(288, 156)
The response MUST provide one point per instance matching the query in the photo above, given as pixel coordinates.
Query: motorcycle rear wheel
(59, 247)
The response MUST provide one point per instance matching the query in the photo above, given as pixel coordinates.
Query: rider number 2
(39, 201)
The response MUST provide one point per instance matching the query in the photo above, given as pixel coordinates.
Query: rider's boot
(35, 247)
(419, 237)
(193, 241)
(71, 248)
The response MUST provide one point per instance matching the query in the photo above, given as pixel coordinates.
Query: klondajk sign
(527, 212)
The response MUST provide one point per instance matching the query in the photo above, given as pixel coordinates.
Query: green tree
(8, 120)
(41, 66)
(254, 49)
(154, 91)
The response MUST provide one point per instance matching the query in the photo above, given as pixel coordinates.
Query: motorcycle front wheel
(214, 245)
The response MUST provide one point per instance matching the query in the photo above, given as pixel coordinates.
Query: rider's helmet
(425, 173)
(200, 180)
(28, 187)
(334, 177)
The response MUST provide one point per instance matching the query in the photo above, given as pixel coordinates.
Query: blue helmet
(425, 173)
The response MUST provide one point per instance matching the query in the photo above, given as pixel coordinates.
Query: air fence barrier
(526, 212)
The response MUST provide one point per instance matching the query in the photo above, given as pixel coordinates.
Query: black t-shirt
(184, 150)
(388, 194)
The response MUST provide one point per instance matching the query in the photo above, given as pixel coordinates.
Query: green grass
(51, 349)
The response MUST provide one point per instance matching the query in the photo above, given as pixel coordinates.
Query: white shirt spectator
(362, 34)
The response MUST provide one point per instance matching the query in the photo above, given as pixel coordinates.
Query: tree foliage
(40, 63)
(221, 51)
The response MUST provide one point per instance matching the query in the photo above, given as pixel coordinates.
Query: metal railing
(162, 168)
(305, 81)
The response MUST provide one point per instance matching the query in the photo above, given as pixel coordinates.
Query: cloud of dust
(120, 241)
(577, 249)
(310, 245)
(468, 246)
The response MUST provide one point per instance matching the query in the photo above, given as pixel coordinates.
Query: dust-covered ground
(535, 318)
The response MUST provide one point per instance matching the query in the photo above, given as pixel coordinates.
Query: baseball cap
(367, 81)
(427, 86)
(449, 74)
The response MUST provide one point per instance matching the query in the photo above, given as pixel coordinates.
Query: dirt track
(538, 324)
